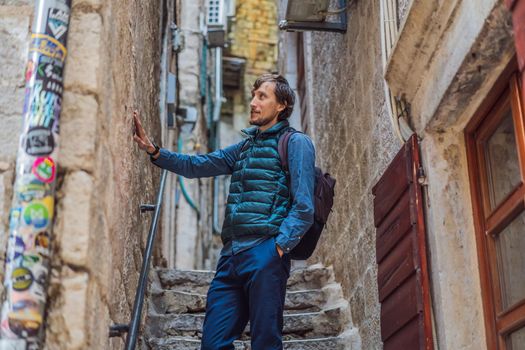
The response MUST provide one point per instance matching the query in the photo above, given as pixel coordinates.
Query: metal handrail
(133, 328)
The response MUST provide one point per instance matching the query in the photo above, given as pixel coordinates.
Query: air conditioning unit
(230, 8)
(216, 21)
(216, 13)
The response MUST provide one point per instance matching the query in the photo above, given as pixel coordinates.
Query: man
(267, 213)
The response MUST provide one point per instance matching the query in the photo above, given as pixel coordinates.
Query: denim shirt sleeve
(216, 163)
(301, 163)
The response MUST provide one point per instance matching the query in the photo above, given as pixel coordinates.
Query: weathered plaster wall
(112, 67)
(452, 244)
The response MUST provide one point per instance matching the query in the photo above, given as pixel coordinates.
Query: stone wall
(112, 67)
(355, 143)
(15, 21)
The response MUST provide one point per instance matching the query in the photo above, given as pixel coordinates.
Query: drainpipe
(31, 217)
(183, 186)
(216, 116)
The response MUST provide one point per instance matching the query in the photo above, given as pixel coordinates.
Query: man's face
(264, 106)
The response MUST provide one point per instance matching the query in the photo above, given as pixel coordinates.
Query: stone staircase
(316, 316)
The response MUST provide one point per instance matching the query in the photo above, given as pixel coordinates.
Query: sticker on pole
(44, 169)
(39, 141)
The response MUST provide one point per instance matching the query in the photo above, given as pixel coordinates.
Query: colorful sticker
(49, 74)
(29, 260)
(39, 141)
(14, 218)
(30, 68)
(48, 46)
(18, 250)
(57, 22)
(44, 169)
(42, 243)
(33, 189)
(44, 105)
(21, 278)
(25, 318)
(37, 215)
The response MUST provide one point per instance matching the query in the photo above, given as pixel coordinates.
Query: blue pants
(248, 286)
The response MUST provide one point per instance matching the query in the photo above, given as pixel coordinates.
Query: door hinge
(421, 177)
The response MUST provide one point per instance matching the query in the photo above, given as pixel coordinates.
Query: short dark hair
(283, 92)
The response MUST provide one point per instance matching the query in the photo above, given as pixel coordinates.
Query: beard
(259, 120)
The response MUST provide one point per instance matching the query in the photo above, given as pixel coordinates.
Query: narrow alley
(415, 108)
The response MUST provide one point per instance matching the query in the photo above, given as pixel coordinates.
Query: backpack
(323, 202)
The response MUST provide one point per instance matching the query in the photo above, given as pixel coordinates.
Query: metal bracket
(338, 27)
(117, 330)
(421, 177)
(147, 207)
(177, 38)
(312, 26)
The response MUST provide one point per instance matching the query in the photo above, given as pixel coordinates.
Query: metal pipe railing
(133, 327)
(131, 339)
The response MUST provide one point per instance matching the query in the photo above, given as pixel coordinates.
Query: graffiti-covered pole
(32, 211)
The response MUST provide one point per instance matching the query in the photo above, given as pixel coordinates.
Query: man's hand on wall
(140, 137)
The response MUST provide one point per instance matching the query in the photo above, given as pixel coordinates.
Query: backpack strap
(283, 149)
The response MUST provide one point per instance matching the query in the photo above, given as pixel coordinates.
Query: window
(496, 158)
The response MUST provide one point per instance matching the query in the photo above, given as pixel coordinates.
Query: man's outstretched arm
(219, 162)
(216, 163)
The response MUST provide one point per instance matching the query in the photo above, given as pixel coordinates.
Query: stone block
(9, 134)
(14, 34)
(74, 218)
(84, 40)
(16, 2)
(6, 193)
(78, 124)
(87, 5)
(66, 324)
(74, 295)
(97, 314)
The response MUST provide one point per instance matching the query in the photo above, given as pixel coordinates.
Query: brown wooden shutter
(402, 278)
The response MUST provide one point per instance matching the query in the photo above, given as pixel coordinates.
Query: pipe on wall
(27, 266)
(217, 105)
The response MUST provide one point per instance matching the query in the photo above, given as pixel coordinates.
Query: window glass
(510, 245)
(516, 340)
(503, 173)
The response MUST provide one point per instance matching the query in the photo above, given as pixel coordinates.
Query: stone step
(329, 322)
(175, 301)
(198, 281)
(185, 343)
